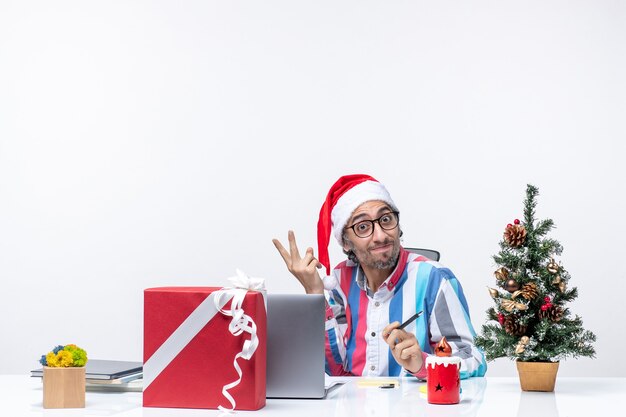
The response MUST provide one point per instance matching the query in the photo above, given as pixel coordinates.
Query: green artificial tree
(530, 321)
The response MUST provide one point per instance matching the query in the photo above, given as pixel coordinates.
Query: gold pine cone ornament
(515, 234)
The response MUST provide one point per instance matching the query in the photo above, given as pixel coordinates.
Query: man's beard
(363, 257)
(389, 263)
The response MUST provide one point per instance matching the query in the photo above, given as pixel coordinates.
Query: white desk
(497, 397)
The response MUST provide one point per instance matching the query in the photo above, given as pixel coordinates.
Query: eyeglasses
(365, 228)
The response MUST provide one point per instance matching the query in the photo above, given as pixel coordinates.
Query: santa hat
(348, 193)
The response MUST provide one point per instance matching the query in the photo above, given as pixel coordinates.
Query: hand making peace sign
(305, 269)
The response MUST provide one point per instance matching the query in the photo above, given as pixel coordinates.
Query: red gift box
(189, 350)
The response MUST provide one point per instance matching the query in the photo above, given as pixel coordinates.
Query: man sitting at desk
(379, 286)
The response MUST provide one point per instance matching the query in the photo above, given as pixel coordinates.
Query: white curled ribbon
(240, 323)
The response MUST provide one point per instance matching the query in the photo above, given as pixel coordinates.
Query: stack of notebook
(108, 375)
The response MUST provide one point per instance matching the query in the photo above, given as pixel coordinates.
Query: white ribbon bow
(240, 323)
(241, 280)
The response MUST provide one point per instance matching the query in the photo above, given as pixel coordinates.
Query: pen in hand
(409, 320)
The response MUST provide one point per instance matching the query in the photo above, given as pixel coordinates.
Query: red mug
(443, 379)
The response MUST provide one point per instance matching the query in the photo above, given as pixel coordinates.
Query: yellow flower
(62, 359)
(65, 358)
(51, 359)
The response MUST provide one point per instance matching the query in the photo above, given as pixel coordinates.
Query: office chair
(429, 253)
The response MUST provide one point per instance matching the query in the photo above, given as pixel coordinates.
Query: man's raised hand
(303, 268)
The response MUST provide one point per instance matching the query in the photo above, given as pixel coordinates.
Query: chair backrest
(429, 253)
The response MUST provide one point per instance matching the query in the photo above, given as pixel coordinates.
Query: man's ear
(345, 245)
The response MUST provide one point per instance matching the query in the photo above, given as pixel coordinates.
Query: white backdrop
(151, 143)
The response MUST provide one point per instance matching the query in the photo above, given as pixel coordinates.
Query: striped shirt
(356, 316)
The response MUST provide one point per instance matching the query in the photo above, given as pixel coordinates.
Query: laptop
(295, 346)
(102, 369)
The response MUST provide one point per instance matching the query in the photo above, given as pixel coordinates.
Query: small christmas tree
(532, 323)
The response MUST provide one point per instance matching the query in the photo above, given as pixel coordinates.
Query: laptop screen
(295, 346)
